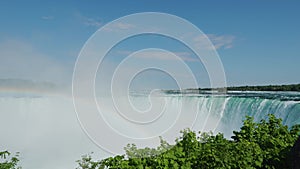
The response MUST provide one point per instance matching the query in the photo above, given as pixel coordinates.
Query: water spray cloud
(111, 116)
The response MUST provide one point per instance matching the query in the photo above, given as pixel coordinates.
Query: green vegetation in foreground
(266, 144)
(291, 87)
(8, 162)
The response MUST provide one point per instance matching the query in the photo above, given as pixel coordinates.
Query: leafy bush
(257, 145)
(8, 162)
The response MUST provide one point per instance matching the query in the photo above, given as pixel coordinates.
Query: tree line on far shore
(291, 87)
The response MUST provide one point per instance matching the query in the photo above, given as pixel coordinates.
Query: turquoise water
(231, 108)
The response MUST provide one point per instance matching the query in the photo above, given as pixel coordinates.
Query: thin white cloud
(159, 55)
(118, 26)
(47, 17)
(222, 41)
(219, 41)
(89, 21)
(92, 22)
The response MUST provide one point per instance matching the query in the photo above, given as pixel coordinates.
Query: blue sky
(257, 41)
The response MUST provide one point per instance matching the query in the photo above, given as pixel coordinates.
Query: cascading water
(231, 108)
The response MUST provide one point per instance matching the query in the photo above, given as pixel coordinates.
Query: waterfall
(230, 110)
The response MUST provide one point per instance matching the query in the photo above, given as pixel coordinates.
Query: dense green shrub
(7, 161)
(257, 145)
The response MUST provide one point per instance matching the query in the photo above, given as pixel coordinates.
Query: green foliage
(86, 162)
(274, 139)
(291, 87)
(7, 161)
(257, 145)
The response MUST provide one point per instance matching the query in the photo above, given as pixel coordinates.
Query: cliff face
(295, 155)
